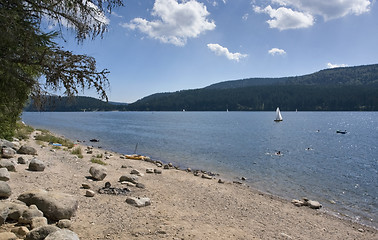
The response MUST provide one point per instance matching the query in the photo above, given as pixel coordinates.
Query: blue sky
(169, 45)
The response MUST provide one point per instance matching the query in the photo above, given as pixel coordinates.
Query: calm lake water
(338, 170)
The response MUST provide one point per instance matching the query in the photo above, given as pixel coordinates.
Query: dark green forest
(339, 89)
(73, 104)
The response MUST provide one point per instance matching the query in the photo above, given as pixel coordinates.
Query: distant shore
(183, 206)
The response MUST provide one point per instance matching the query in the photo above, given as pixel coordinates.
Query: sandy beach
(183, 206)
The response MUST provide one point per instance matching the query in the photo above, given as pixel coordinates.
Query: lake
(338, 170)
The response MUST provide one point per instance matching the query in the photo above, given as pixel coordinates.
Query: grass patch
(78, 152)
(99, 155)
(98, 161)
(46, 136)
(23, 131)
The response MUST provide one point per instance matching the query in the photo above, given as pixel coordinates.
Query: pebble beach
(145, 199)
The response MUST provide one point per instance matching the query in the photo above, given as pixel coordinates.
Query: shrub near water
(48, 137)
(77, 151)
(23, 131)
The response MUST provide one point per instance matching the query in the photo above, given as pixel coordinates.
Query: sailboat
(278, 115)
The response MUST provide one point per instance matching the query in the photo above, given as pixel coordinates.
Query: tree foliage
(31, 63)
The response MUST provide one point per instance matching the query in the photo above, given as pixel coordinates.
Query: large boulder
(41, 232)
(129, 178)
(36, 165)
(63, 234)
(29, 214)
(27, 150)
(4, 174)
(16, 210)
(7, 152)
(6, 143)
(138, 202)
(5, 190)
(8, 236)
(54, 205)
(8, 164)
(98, 172)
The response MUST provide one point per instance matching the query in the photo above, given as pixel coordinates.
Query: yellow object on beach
(135, 157)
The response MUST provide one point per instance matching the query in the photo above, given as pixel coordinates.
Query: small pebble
(89, 193)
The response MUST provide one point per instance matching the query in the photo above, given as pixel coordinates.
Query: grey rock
(4, 174)
(206, 176)
(54, 205)
(136, 172)
(86, 186)
(297, 202)
(5, 190)
(41, 232)
(98, 172)
(64, 223)
(21, 231)
(36, 165)
(140, 185)
(22, 160)
(8, 164)
(62, 234)
(15, 210)
(129, 178)
(38, 222)
(313, 204)
(149, 170)
(27, 150)
(29, 214)
(138, 202)
(4, 211)
(6, 143)
(220, 181)
(8, 236)
(7, 152)
(157, 171)
(89, 193)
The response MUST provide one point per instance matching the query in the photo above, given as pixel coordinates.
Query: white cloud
(175, 23)
(219, 50)
(245, 17)
(285, 18)
(116, 15)
(329, 9)
(276, 51)
(330, 65)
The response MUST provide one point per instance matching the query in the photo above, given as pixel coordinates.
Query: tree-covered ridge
(358, 75)
(266, 98)
(74, 104)
(321, 91)
(339, 89)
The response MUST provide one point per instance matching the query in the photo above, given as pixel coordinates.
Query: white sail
(278, 115)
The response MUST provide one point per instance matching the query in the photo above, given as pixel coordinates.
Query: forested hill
(74, 104)
(338, 89)
(345, 76)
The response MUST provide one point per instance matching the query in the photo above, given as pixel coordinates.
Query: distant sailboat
(278, 115)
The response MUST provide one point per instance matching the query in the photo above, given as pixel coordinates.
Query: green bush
(48, 137)
(98, 161)
(23, 131)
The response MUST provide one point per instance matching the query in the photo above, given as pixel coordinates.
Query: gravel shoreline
(182, 205)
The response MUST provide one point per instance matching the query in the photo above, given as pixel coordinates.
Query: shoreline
(183, 206)
(238, 179)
